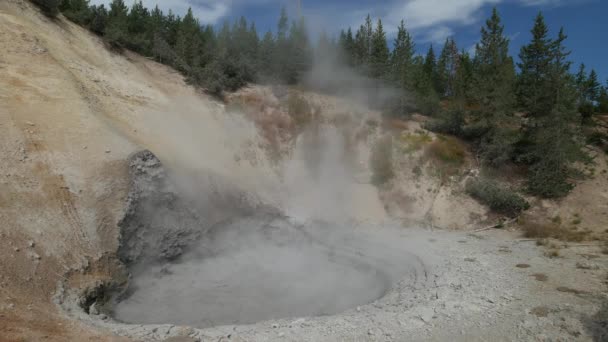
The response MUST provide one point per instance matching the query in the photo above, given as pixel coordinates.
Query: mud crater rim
(229, 260)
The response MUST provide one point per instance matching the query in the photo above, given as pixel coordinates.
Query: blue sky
(431, 21)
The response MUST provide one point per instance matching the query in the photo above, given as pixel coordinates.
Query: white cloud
(420, 14)
(207, 11)
(540, 2)
(437, 34)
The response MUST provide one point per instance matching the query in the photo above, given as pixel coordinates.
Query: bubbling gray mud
(245, 265)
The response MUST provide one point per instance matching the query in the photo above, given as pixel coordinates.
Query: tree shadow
(597, 324)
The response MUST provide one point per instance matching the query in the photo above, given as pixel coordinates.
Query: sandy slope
(68, 118)
(71, 112)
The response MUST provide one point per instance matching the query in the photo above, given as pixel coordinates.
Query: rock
(587, 266)
(31, 243)
(282, 334)
(29, 123)
(426, 314)
(108, 151)
(274, 326)
(93, 309)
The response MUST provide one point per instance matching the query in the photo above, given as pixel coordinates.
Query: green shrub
(381, 160)
(448, 122)
(49, 7)
(499, 199)
(550, 179)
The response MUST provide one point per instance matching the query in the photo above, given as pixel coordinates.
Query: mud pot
(223, 258)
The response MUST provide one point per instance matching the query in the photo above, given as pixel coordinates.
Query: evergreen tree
(581, 82)
(49, 7)
(463, 79)
(535, 65)
(266, 55)
(553, 131)
(188, 43)
(99, 19)
(116, 28)
(78, 11)
(493, 86)
(602, 103)
(283, 25)
(426, 99)
(137, 27)
(281, 58)
(401, 60)
(379, 57)
(300, 54)
(347, 47)
(363, 46)
(446, 68)
(593, 87)
(430, 63)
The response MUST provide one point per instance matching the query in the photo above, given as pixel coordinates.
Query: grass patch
(447, 150)
(414, 142)
(551, 230)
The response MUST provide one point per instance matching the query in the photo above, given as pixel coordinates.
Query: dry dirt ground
(71, 112)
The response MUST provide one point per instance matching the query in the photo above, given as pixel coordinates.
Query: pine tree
(446, 68)
(99, 19)
(493, 86)
(363, 45)
(77, 11)
(426, 99)
(347, 47)
(300, 52)
(602, 103)
(283, 25)
(116, 28)
(463, 79)
(49, 7)
(430, 63)
(188, 43)
(137, 26)
(535, 62)
(553, 131)
(402, 58)
(593, 87)
(379, 53)
(266, 55)
(283, 46)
